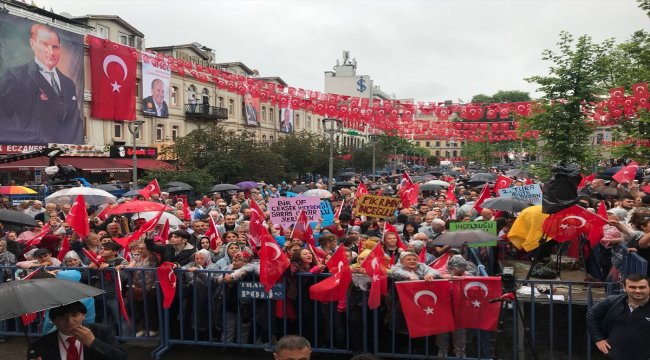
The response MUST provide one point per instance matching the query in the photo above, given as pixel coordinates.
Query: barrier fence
(207, 311)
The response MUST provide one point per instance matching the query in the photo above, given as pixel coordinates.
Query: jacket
(105, 346)
(167, 252)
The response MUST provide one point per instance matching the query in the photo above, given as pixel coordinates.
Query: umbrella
(346, 175)
(463, 237)
(177, 186)
(321, 193)
(25, 297)
(299, 188)
(518, 173)
(224, 187)
(138, 206)
(505, 204)
(608, 191)
(609, 172)
(430, 187)
(106, 187)
(91, 196)
(247, 185)
(344, 184)
(16, 190)
(12, 217)
(148, 215)
(420, 178)
(453, 173)
(132, 193)
(438, 182)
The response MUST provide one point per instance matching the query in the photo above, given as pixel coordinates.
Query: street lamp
(395, 158)
(135, 131)
(373, 140)
(331, 126)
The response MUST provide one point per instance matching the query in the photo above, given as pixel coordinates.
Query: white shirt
(47, 74)
(63, 343)
(158, 109)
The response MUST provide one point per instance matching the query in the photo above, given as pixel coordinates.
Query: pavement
(16, 349)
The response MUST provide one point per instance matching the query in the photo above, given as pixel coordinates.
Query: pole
(395, 171)
(135, 160)
(374, 173)
(330, 177)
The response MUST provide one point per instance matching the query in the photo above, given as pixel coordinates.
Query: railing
(206, 111)
(209, 312)
(632, 262)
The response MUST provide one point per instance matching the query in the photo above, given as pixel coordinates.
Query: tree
(502, 96)
(305, 153)
(576, 76)
(362, 157)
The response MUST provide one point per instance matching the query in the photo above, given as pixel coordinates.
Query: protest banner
(488, 226)
(529, 193)
(285, 210)
(326, 213)
(376, 206)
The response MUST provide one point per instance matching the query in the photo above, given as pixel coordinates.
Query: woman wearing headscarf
(197, 300)
(143, 289)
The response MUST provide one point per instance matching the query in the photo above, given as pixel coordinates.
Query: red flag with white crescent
(335, 287)
(569, 223)
(78, 217)
(451, 193)
(627, 173)
(164, 231)
(485, 194)
(36, 240)
(585, 180)
(65, 247)
(339, 210)
(214, 235)
(103, 215)
(151, 189)
(427, 307)
(361, 190)
(376, 269)
(120, 299)
(502, 182)
(440, 263)
(167, 281)
(472, 307)
(273, 262)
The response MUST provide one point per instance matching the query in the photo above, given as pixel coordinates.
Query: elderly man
(35, 209)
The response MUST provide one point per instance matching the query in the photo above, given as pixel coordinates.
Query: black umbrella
(346, 175)
(12, 217)
(453, 173)
(505, 204)
(609, 172)
(518, 173)
(106, 187)
(344, 184)
(299, 188)
(430, 187)
(131, 193)
(177, 186)
(27, 296)
(224, 187)
(463, 237)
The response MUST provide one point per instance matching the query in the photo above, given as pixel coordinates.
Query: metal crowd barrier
(632, 262)
(209, 312)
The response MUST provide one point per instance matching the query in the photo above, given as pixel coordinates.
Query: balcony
(205, 112)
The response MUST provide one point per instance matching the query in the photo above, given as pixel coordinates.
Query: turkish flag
(427, 307)
(585, 180)
(361, 190)
(376, 269)
(273, 261)
(596, 233)
(339, 210)
(112, 70)
(502, 182)
(151, 189)
(422, 256)
(471, 298)
(626, 174)
(103, 215)
(135, 236)
(214, 235)
(450, 193)
(303, 231)
(409, 195)
(405, 181)
(617, 93)
(440, 263)
(167, 280)
(335, 287)
(78, 217)
(485, 194)
(569, 223)
(65, 247)
(257, 230)
(442, 113)
(92, 257)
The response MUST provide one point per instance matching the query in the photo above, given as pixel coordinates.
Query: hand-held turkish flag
(375, 266)
(502, 182)
(335, 287)
(626, 174)
(36, 240)
(78, 217)
(151, 189)
(135, 236)
(164, 231)
(273, 262)
(361, 190)
(427, 307)
(596, 232)
(120, 299)
(103, 215)
(451, 196)
(112, 71)
(440, 263)
(257, 230)
(339, 210)
(409, 195)
(585, 180)
(569, 223)
(485, 194)
(65, 247)
(167, 281)
(92, 257)
(405, 180)
(303, 231)
(186, 208)
(472, 307)
(214, 235)
(422, 256)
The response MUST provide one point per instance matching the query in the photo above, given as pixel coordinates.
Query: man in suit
(38, 103)
(155, 105)
(251, 111)
(74, 340)
(287, 125)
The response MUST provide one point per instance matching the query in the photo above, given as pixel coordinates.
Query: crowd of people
(210, 272)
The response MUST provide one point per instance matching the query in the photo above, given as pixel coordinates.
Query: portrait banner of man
(286, 120)
(252, 109)
(41, 83)
(156, 77)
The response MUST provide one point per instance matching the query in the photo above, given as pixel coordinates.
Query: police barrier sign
(255, 290)
(529, 193)
(376, 206)
(487, 226)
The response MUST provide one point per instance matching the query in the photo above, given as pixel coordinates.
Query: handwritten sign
(376, 206)
(326, 213)
(285, 210)
(487, 226)
(529, 193)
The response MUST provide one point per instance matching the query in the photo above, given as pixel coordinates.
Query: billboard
(286, 120)
(156, 77)
(41, 83)
(252, 109)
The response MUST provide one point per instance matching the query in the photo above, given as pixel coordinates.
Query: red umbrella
(136, 206)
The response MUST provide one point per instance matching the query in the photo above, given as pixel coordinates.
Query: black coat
(31, 112)
(167, 253)
(149, 107)
(625, 331)
(105, 346)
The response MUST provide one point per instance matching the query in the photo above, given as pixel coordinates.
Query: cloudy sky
(429, 50)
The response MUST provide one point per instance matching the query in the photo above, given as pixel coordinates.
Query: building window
(264, 138)
(118, 126)
(124, 39)
(309, 122)
(205, 96)
(220, 104)
(102, 31)
(455, 153)
(160, 132)
(296, 121)
(231, 107)
(599, 138)
(271, 138)
(138, 135)
(437, 143)
(437, 152)
(428, 144)
(271, 116)
(263, 113)
(173, 97)
(174, 132)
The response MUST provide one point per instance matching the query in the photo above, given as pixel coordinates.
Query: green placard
(489, 226)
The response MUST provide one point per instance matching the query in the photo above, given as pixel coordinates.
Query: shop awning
(148, 164)
(90, 164)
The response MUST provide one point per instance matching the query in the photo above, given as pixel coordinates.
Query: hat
(41, 252)
(457, 262)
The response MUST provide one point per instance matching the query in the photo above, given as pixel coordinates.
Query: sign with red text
(376, 206)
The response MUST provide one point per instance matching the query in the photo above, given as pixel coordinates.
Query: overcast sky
(427, 50)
